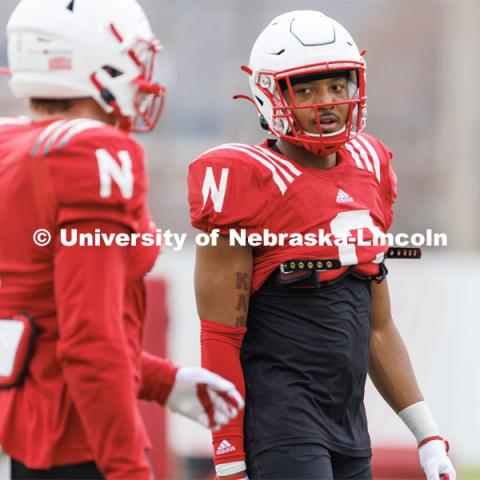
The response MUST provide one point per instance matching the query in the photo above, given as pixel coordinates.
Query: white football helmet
(103, 49)
(308, 44)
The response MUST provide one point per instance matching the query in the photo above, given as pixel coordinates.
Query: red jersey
(78, 400)
(236, 186)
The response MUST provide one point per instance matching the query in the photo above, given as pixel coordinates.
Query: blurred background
(423, 65)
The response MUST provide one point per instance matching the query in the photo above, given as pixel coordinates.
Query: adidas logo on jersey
(225, 447)
(343, 197)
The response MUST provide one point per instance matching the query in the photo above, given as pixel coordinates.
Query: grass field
(469, 474)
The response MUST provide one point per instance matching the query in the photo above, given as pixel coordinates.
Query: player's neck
(306, 158)
(81, 108)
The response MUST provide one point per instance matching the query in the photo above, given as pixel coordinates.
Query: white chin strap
(332, 134)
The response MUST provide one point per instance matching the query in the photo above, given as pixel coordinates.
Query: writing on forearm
(242, 288)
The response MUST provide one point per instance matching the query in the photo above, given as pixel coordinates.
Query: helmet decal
(104, 50)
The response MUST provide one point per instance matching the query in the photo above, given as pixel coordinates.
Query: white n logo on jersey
(210, 188)
(109, 170)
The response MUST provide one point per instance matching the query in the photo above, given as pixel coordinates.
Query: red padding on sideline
(396, 464)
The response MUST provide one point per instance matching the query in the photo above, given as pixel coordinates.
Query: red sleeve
(227, 192)
(388, 186)
(220, 345)
(92, 349)
(158, 377)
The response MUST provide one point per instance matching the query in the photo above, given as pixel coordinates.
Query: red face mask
(150, 95)
(284, 123)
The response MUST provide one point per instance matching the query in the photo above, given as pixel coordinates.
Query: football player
(299, 337)
(71, 323)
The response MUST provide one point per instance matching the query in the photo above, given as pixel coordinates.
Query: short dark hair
(52, 105)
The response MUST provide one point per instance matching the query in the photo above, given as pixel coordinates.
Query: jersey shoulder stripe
(282, 172)
(79, 128)
(56, 134)
(362, 139)
(44, 135)
(283, 161)
(364, 155)
(59, 133)
(354, 155)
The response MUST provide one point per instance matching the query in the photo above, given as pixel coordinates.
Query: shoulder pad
(369, 154)
(266, 166)
(231, 186)
(61, 134)
(372, 154)
(94, 167)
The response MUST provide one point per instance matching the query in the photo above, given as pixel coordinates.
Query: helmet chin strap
(124, 123)
(315, 148)
(320, 150)
(331, 134)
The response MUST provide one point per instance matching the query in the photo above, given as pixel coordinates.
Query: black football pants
(307, 462)
(81, 471)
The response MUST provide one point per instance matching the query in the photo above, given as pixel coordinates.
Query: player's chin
(327, 128)
(330, 127)
(324, 129)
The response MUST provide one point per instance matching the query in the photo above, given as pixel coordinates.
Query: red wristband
(158, 378)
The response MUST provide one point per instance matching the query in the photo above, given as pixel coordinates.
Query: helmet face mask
(102, 50)
(149, 106)
(150, 96)
(281, 56)
(146, 97)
